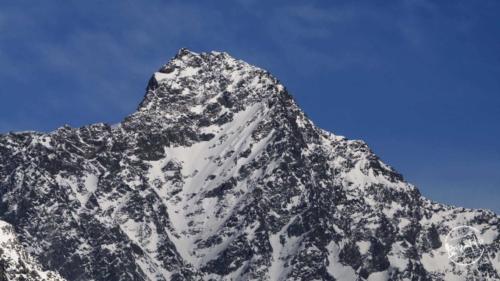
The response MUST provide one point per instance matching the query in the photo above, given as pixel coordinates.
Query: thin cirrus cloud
(417, 79)
(96, 48)
(122, 43)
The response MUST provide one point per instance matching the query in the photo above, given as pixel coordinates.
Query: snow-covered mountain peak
(219, 175)
(200, 95)
(201, 80)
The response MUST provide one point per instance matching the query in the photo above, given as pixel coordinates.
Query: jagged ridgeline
(219, 175)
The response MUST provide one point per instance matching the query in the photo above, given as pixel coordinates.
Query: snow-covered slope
(15, 263)
(219, 175)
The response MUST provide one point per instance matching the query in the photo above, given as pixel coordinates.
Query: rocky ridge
(219, 175)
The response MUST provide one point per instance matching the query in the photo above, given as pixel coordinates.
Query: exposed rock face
(220, 176)
(15, 263)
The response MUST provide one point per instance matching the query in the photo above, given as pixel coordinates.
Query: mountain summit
(219, 175)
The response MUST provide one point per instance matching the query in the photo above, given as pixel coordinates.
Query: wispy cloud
(107, 51)
(98, 58)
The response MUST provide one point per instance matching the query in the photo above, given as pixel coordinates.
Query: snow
(489, 235)
(358, 178)
(496, 263)
(15, 255)
(379, 276)
(397, 257)
(281, 252)
(197, 163)
(90, 184)
(82, 195)
(159, 76)
(188, 71)
(294, 202)
(363, 246)
(45, 141)
(6, 234)
(281, 88)
(336, 269)
(109, 247)
(436, 260)
(403, 222)
(390, 210)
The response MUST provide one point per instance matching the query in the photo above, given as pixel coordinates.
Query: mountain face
(15, 263)
(219, 175)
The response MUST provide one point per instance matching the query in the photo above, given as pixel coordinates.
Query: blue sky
(418, 80)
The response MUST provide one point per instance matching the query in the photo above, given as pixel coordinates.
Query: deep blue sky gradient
(418, 80)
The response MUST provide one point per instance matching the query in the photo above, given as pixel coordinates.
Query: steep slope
(15, 264)
(220, 176)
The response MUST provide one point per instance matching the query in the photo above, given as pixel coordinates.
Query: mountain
(219, 175)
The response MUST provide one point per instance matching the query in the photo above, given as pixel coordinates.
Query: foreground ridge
(15, 263)
(219, 175)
